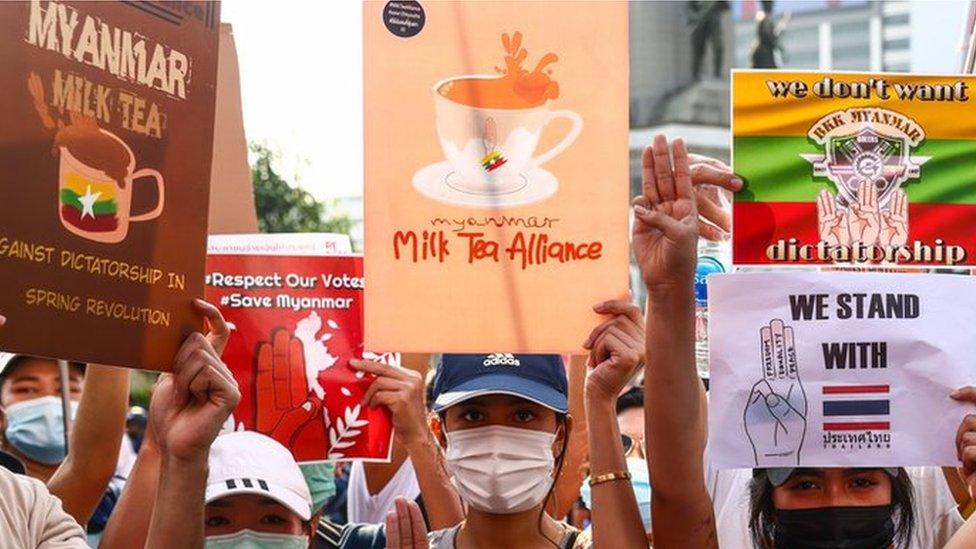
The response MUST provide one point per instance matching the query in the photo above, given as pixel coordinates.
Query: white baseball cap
(246, 462)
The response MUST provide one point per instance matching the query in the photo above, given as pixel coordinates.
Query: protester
(789, 507)
(32, 422)
(503, 423)
(192, 403)
(402, 390)
(135, 426)
(617, 351)
(183, 409)
(31, 516)
(256, 495)
(630, 420)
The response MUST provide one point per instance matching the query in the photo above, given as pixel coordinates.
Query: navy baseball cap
(538, 378)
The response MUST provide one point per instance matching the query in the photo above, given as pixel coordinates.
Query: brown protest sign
(106, 152)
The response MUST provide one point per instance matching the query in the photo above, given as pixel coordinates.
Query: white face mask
(249, 539)
(500, 469)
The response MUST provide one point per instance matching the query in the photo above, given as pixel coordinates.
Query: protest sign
(296, 320)
(856, 168)
(107, 131)
(496, 173)
(838, 369)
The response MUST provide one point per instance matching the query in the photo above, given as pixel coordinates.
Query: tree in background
(282, 208)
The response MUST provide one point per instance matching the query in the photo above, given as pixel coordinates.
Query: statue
(705, 18)
(767, 37)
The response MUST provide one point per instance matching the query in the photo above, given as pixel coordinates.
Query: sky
(301, 64)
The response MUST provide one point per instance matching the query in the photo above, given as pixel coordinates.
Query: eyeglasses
(630, 444)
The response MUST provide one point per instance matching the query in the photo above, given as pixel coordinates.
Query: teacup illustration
(97, 171)
(489, 134)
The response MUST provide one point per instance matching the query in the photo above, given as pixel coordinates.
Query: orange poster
(496, 173)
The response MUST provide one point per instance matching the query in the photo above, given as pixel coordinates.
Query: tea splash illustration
(489, 127)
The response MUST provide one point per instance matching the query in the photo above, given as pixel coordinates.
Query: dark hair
(761, 509)
(559, 459)
(634, 398)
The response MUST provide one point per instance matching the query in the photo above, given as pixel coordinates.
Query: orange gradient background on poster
(488, 306)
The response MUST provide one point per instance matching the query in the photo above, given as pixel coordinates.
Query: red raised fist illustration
(283, 403)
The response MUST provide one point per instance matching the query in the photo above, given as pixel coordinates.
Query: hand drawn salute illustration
(775, 416)
(489, 127)
(96, 174)
(867, 155)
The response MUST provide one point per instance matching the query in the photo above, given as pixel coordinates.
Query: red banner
(296, 321)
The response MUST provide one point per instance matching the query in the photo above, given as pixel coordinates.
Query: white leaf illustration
(346, 428)
(345, 391)
(332, 324)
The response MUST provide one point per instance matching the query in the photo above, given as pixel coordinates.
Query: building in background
(860, 35)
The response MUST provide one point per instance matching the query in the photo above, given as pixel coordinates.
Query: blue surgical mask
(249, 539)
(320, 478)
(640, 481)
(36, 428)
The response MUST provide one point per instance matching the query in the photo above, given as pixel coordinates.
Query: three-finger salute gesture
(666, 216)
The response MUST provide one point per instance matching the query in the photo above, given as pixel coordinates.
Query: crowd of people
(535, 451)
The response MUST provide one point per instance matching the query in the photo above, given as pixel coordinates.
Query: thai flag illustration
(856, 408)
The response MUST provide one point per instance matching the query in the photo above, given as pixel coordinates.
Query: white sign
(838, 369)
(311, 244)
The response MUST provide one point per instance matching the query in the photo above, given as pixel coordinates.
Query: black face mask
(834, 528)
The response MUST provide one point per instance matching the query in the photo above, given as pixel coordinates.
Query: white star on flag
(88, 202)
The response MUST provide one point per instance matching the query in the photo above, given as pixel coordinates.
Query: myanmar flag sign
(854, 168)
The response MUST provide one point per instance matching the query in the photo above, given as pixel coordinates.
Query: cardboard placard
(838, 370)
(853, 168)
(107, 138)
(496, 169)
(296, 321)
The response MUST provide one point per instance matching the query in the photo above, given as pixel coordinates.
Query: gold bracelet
(600, 479)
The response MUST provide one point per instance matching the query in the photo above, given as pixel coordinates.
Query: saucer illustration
(440, 182)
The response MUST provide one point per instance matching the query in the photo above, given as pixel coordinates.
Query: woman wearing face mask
(503, 424)
(789, 508)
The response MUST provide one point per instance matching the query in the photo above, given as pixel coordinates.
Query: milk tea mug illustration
(490, 148)
(97, 172)
(489, 126)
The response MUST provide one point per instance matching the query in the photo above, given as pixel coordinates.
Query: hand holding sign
(284, 404)
(666, 216)
(775, 416)
(402, 391)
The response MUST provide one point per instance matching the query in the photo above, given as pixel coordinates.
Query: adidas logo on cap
(502, 359)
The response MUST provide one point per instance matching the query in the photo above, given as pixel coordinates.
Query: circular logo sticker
(404, 18)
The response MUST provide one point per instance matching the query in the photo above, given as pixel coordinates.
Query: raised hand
(864, 217)
(190, 405)
(894, 223)
(713, 182)
(666, 217)
(616, 349)
(775, 416)
(405, 528)
(832, 221)
(283, 403)
(402, 391)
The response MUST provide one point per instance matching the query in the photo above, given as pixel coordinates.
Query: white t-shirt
(936, 515)
(363, 507)
(30, 517)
